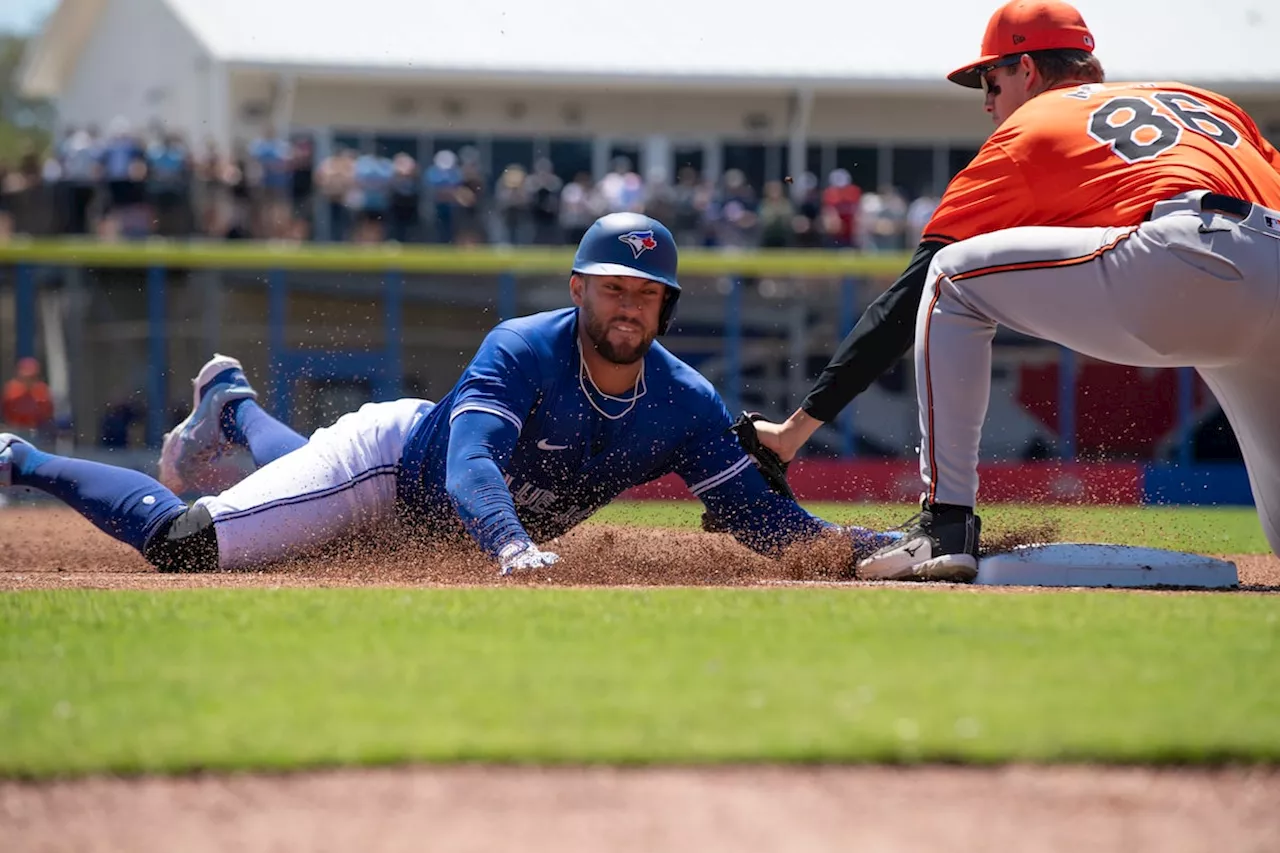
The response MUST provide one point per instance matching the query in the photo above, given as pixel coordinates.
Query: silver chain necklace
(584, 376)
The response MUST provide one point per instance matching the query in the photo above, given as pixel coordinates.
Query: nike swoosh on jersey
(544, 445)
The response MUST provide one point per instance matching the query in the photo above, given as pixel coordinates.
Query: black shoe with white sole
(937, 546)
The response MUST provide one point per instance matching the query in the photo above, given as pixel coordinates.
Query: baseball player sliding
(556, 415)
(1135, 223)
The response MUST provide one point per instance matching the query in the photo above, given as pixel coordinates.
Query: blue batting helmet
(636, 245)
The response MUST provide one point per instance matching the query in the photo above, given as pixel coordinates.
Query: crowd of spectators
(124, 184)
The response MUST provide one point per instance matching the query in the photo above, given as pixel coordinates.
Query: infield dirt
(47, 548)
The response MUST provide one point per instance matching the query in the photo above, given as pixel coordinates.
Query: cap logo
(1088, 42)
(639, 241)
(1017, 39)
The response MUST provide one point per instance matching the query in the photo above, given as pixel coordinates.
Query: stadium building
(810, 85)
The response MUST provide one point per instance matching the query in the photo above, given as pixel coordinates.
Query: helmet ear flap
(668, 313)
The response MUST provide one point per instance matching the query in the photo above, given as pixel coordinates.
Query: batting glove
(524, 556)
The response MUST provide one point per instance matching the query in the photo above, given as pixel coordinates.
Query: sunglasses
(989, 88)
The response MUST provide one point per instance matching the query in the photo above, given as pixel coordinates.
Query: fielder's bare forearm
(883, 335)
(787, 439)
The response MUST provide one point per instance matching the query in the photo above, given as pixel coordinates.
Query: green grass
(1214, 530)
(286, 678)
(94, 681)
(258, 255)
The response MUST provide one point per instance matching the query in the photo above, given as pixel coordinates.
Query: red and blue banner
(1094, 483)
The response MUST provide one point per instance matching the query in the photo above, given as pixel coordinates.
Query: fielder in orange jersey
(1137, 223)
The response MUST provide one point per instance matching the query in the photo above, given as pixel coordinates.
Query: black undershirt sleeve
(882, 335)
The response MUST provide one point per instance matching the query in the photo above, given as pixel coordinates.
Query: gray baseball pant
(1188, 288)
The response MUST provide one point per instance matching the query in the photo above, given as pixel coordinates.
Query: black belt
(1216, 203)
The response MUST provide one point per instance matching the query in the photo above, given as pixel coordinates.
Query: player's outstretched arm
(744, 506)
(494, 396)
(479, 443)
(882, 335)
(769, 523)
(990, 193)
(740, 501)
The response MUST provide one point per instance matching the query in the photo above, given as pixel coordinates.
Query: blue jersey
(525, 446)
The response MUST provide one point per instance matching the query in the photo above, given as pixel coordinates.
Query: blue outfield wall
(1205, 484)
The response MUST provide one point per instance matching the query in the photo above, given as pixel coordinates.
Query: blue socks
(129, 505)
(124, 504)
(247, 424)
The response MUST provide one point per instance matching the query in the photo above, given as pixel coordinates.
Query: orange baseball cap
(1023, 26)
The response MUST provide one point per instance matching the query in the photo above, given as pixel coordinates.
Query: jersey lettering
(1133, 129)
(1198, 116)
(1136, 130)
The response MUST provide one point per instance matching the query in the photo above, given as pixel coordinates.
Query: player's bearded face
(620, 315)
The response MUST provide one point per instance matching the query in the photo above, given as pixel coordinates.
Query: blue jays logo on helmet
(639, 241)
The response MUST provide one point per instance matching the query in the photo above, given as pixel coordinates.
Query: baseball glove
(770, 464)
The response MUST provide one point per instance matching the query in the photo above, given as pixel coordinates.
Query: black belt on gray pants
(1217, 203)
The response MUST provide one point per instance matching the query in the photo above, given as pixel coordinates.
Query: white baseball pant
(341, 482)
(1189, 288)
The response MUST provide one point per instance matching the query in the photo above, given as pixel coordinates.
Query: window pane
(957, 159)
(750, 159)
(775, 162)
(688, 156)
(913, 170)
(813, 162)
(389, 145)
(511, 151)
(570, 157)
(862, 163)
(347, 141)
(628, 150)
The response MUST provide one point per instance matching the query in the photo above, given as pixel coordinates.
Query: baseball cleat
(7, 440)
(198, 440)
(934, 547)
